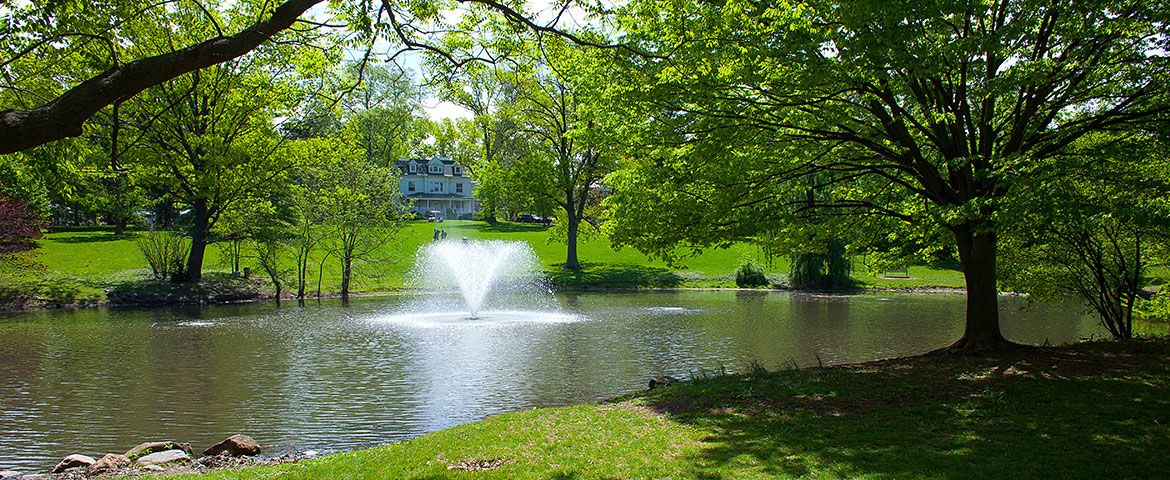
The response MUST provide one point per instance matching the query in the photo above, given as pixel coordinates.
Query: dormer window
(412, 167)
(436, 169)
(458, 170)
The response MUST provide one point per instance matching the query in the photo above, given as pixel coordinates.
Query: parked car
(434, 216)
(529, 218)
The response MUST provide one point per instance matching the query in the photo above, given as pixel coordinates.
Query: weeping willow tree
(823, 263)
(829, 270)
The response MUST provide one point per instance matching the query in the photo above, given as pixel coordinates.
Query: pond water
(327, 378)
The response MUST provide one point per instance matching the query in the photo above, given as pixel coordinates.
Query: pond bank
(234, 290)
(1089, 410)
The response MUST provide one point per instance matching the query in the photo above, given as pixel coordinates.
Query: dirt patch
(473, 465)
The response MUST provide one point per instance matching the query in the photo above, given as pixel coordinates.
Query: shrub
(750, 275)
(1157, 308)
(165, 252)
(20, 225)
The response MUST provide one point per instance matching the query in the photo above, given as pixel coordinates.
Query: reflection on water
(328, 378)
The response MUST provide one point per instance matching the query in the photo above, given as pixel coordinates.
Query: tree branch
(64, 116)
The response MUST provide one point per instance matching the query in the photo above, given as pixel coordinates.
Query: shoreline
(35, 306)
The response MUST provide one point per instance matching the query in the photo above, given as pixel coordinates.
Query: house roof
(425, 161)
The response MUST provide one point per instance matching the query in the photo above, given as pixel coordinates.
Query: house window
(458, 187)
(458, 170)
(410, 186)
(412, 170)
(436, 169)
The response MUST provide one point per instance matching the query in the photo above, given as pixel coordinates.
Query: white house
(437, 184)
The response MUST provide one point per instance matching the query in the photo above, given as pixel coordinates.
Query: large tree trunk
(977, 251)
(574, 225)
(199, 233)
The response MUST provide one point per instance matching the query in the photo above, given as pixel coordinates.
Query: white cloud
(438, 109)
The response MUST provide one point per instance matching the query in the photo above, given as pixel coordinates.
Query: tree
(476, 88)
(923, 112)
(555, 113)
(215, 145)
(270, 240)
(210, 136)
(383, 114)
(1094, 233)
(363, 211)
(305, 199)
(68, 61)
(33, 39)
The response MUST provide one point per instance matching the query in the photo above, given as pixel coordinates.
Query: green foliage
(383, 115)
(935, 115)
(550, 138)
(361, 210)
(1092, 234)
(830, 270)
(1156, 308)
(165, 252)
(750, 275)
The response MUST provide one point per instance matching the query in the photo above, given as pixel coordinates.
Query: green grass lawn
(80, 265)
(1092, 410)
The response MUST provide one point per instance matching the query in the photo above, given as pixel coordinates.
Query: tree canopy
(924, 112)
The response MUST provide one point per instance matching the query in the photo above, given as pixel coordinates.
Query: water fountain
(479, 283)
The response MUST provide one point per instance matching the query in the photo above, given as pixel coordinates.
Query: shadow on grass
(95, 237)
(1099, 410)
(53, 292)
(500, 227)
(606, 275)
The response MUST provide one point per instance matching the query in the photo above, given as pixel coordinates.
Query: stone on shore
(153, 447)
(73, 461)
(110, 461)
(234, 446)
(8, 474)
(164, 457)
(660, 381)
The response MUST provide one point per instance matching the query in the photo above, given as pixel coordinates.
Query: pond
(328, 377)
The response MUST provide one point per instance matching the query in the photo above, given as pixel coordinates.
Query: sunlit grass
(87, 262)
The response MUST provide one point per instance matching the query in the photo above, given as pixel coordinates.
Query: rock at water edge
(152, 447)
(73, 461)
(164, 457)
(110, 461)
(661, 381)
(234, 446)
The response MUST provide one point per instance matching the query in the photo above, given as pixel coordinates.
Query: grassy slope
(79, 264)
(1095, 410)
